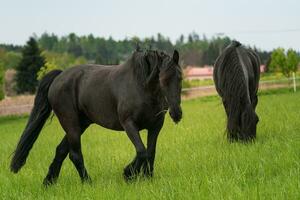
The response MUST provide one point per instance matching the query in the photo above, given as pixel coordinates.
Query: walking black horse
(131, 97)
(236, 77)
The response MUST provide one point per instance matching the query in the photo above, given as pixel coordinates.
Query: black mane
(148, 63)
(233, 82)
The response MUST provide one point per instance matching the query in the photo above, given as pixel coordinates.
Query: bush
(46, 69)
(284, 62)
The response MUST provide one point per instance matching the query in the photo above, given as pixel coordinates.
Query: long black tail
(39, 114)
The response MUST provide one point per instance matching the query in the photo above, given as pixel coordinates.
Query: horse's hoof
(87, 180)
(129, 178)
(129, 174)
(148, 173)
(48, 182)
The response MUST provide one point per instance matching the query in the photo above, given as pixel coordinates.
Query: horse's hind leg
(64, 148)
(61, 153)
(75, 153)
(74, 126)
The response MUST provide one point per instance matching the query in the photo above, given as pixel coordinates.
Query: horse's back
(68, 79)
(236, 60)
(66, 89)
(105, 95)
(88, 90)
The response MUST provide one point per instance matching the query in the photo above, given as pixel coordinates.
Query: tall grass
(194, 159)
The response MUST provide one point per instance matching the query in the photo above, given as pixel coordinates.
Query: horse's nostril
(176, 114)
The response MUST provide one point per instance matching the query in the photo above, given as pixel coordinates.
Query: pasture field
(193, 160)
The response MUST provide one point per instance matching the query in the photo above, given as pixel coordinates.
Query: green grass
(197, 83)
(274, 76)
(194, 159)
(263, 77)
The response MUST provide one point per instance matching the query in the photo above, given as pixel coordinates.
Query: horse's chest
(149, 115)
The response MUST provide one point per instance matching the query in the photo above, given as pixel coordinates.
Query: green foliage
(27, 69)
(278, 60)
(292, 60)
(12, 60)
(286, 63)
(9, 59)
(47, 41)
(197, 51)
(1, 82)
(79, 61)
(193, 160)
(194, 49)
(99, 59)
(63, 60)
(46, 69)
(11, 47)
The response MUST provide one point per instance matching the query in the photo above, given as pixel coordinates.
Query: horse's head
(167, 74)
(170, 78)
(249, 121)
(242, 120)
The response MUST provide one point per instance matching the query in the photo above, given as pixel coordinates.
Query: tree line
(195, 49)
(47, 52)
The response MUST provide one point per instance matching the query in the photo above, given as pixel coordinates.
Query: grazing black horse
(236, 77)
(131, 97)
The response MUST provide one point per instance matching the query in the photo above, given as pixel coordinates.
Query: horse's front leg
(135, 166)
(151, 147)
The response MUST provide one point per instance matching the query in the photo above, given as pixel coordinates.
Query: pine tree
(30, 64)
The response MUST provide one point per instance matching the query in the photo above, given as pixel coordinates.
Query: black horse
(236, 77)
(131, 97)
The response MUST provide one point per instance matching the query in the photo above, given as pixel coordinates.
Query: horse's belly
(110, 124)
(104, 115)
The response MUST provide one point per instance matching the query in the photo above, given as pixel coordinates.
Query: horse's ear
(176, 56)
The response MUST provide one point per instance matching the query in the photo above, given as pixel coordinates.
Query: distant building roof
(262, 68)
(195, 71)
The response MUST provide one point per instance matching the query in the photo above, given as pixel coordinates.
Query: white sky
(264, 23)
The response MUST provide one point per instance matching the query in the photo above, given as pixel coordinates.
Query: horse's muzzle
(175, 113)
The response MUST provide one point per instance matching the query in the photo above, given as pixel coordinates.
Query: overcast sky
(266, 24)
